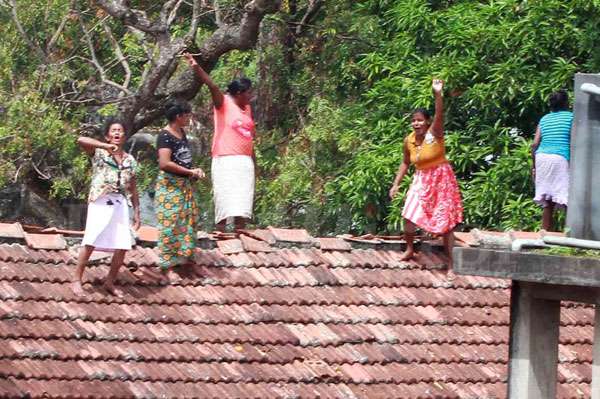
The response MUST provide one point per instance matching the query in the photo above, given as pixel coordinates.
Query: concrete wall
(583, 214)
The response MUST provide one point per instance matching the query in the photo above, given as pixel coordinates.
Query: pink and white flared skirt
(433, 200)
(107, 224)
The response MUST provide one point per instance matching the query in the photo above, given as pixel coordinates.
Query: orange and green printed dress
(176, 208)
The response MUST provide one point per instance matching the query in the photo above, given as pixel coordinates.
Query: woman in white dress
(112, 190)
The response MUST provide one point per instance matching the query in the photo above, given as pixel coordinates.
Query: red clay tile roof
(11, 230)
(288, 323)
(45, 241)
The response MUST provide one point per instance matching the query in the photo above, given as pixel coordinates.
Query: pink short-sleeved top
(234, 129)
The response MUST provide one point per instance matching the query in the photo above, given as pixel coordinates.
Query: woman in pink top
(232, 149)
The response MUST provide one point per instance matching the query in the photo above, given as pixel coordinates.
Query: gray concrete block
(583, 214)
(523, 266)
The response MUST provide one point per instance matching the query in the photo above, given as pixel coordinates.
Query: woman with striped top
(551, 152)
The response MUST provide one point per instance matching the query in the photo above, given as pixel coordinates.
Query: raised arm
(89, 145)
(437, 127)
(204, 77)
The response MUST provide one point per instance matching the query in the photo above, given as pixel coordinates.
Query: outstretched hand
(393, 191)
(198, 174)
(190, 59)
(437, 85)
(136, 221)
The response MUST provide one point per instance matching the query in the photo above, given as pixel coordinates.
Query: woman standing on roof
(232, 149)
(433, 200)
(174, 201)
(551, 152)
(112, 189)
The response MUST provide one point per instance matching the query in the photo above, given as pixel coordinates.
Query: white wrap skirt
(107, 224)
(551, 179)
(233, 186)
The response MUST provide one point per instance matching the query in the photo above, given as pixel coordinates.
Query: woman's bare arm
(215, 92)
(89, 145)
(437, 127)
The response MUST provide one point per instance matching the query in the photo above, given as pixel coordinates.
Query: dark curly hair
(425, 112)
(238, 86)
(174, 108)
(559, 101)
(108, 122)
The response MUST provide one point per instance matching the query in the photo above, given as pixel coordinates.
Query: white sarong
(551, 179)
(107, 224)
(233, 186)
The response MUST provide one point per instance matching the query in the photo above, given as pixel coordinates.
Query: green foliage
(334, 102)
(34, 143)
(500, 59)
(569, 251)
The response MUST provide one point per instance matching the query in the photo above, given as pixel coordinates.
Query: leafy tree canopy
(335, 84)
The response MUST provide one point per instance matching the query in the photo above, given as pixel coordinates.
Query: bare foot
(169, 275)
(407, 255)
(450, 275)
(187, 263)
(78, 288)
(112, 290)
(137, 274)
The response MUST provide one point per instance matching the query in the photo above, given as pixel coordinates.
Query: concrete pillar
(583, 213)
(596, 361)
(533, 344)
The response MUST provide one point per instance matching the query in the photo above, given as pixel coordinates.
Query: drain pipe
(520, 243)
(571, 242)
(590, 88)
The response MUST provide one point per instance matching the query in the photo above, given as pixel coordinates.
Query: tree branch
(132, 17)
(120, 55)
(169, 11)
(35, 47)
(159, 81)
(224, 39)
(191, 34)
(59, 30)
(96, 63)
(313, 8)
(218, 14)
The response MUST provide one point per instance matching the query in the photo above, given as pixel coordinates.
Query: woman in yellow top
(433, 200)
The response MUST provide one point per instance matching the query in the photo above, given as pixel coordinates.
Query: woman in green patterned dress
(174, 201)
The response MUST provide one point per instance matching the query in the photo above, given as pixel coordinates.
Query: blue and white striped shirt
(556, 133)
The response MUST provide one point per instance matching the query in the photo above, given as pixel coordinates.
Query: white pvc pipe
(571, 242)
(520, 243)
(590, 88)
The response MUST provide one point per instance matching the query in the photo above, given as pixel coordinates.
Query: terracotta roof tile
(14, 252)
(253, 245)
(291, 235)
(147, 233)
(261, 234)
(232, 246)
(11, 230)
(45, 241)
(334, 244)
(294, 322)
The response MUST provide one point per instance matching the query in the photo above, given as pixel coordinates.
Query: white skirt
(107, 224)
(233, 186)
(551, 179)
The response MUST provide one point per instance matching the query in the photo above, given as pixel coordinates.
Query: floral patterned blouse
(110, 177)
